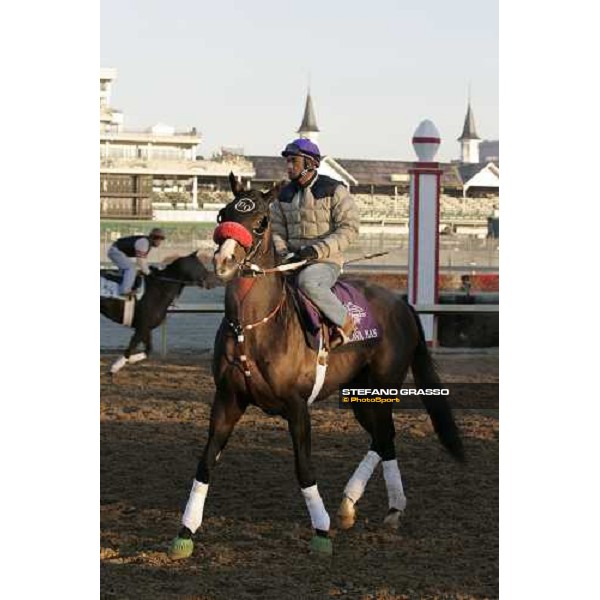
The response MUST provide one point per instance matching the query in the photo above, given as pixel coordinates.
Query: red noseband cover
(234, 231)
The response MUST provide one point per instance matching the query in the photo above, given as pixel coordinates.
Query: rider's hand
(308, 253)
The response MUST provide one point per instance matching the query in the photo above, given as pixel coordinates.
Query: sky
(239, 71)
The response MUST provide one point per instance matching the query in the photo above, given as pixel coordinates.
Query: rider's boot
(343, 334)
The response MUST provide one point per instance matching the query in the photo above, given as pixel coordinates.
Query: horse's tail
(426, 376)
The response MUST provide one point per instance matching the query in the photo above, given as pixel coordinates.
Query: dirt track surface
(253, 542)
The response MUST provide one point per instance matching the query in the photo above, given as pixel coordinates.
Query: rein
(252, 270)
(248, 269)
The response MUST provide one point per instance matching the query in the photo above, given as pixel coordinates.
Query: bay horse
(261, 358)
(163, 286)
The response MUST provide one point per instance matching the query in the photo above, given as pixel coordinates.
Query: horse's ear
(236, 186)
(273, 193)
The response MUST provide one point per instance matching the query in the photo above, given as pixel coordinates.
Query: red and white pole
(424, 249)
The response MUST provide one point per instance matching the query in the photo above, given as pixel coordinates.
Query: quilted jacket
(323, 215)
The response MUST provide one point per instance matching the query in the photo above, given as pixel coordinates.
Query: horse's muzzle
(224, 260)
(226, 272)
(226, 267)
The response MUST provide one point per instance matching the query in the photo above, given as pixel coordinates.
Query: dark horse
(262, 335)
(162, 287)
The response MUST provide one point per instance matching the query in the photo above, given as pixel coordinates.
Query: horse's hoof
(321, 545)
(346, 515)
(392, 519)
(346, 522)
(180, 548)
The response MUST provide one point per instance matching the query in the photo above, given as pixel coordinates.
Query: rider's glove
(308, 253)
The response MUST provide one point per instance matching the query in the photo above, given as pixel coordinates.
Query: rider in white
(134, 246)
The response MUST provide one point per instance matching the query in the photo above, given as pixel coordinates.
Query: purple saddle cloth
(356, 304)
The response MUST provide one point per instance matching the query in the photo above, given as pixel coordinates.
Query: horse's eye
(262, 225)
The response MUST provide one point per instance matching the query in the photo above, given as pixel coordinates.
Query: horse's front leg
(127, 356)
(299, 427)
(225, 413)
(145, 336)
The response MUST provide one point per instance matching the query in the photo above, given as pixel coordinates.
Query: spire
(309, 121)
(469, 132)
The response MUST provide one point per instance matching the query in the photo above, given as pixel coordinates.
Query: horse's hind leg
(357, 484)
(355, 488)
(383, 433)
(377, 421)
(225, 413)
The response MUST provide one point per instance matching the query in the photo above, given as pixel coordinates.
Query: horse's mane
(171, 264)
(169, 260)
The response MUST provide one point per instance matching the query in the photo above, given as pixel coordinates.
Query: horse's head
(189, 270)
(244, 231)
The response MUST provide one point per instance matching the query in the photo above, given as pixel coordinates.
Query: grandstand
(457, 215)
(378, 208)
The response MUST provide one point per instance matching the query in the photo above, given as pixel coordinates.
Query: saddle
(318, 330)
(110, 281)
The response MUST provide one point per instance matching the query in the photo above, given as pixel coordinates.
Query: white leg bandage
(135, 358)
(118, 364)
(356, 486)
(192, 517)
(393, 484)
(318, 515)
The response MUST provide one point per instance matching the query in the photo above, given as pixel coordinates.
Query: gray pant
(126, 265)
(316, 282)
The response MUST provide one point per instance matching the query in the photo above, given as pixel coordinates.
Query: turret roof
(309, 121)
(469, 132)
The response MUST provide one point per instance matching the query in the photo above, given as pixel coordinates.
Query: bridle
(241, 235)
(247, 268)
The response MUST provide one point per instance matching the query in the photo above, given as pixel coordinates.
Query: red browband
(234, 231)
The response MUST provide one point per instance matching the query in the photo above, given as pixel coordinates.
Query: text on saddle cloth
(357, 306)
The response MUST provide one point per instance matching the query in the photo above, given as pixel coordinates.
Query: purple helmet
(303, 147)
